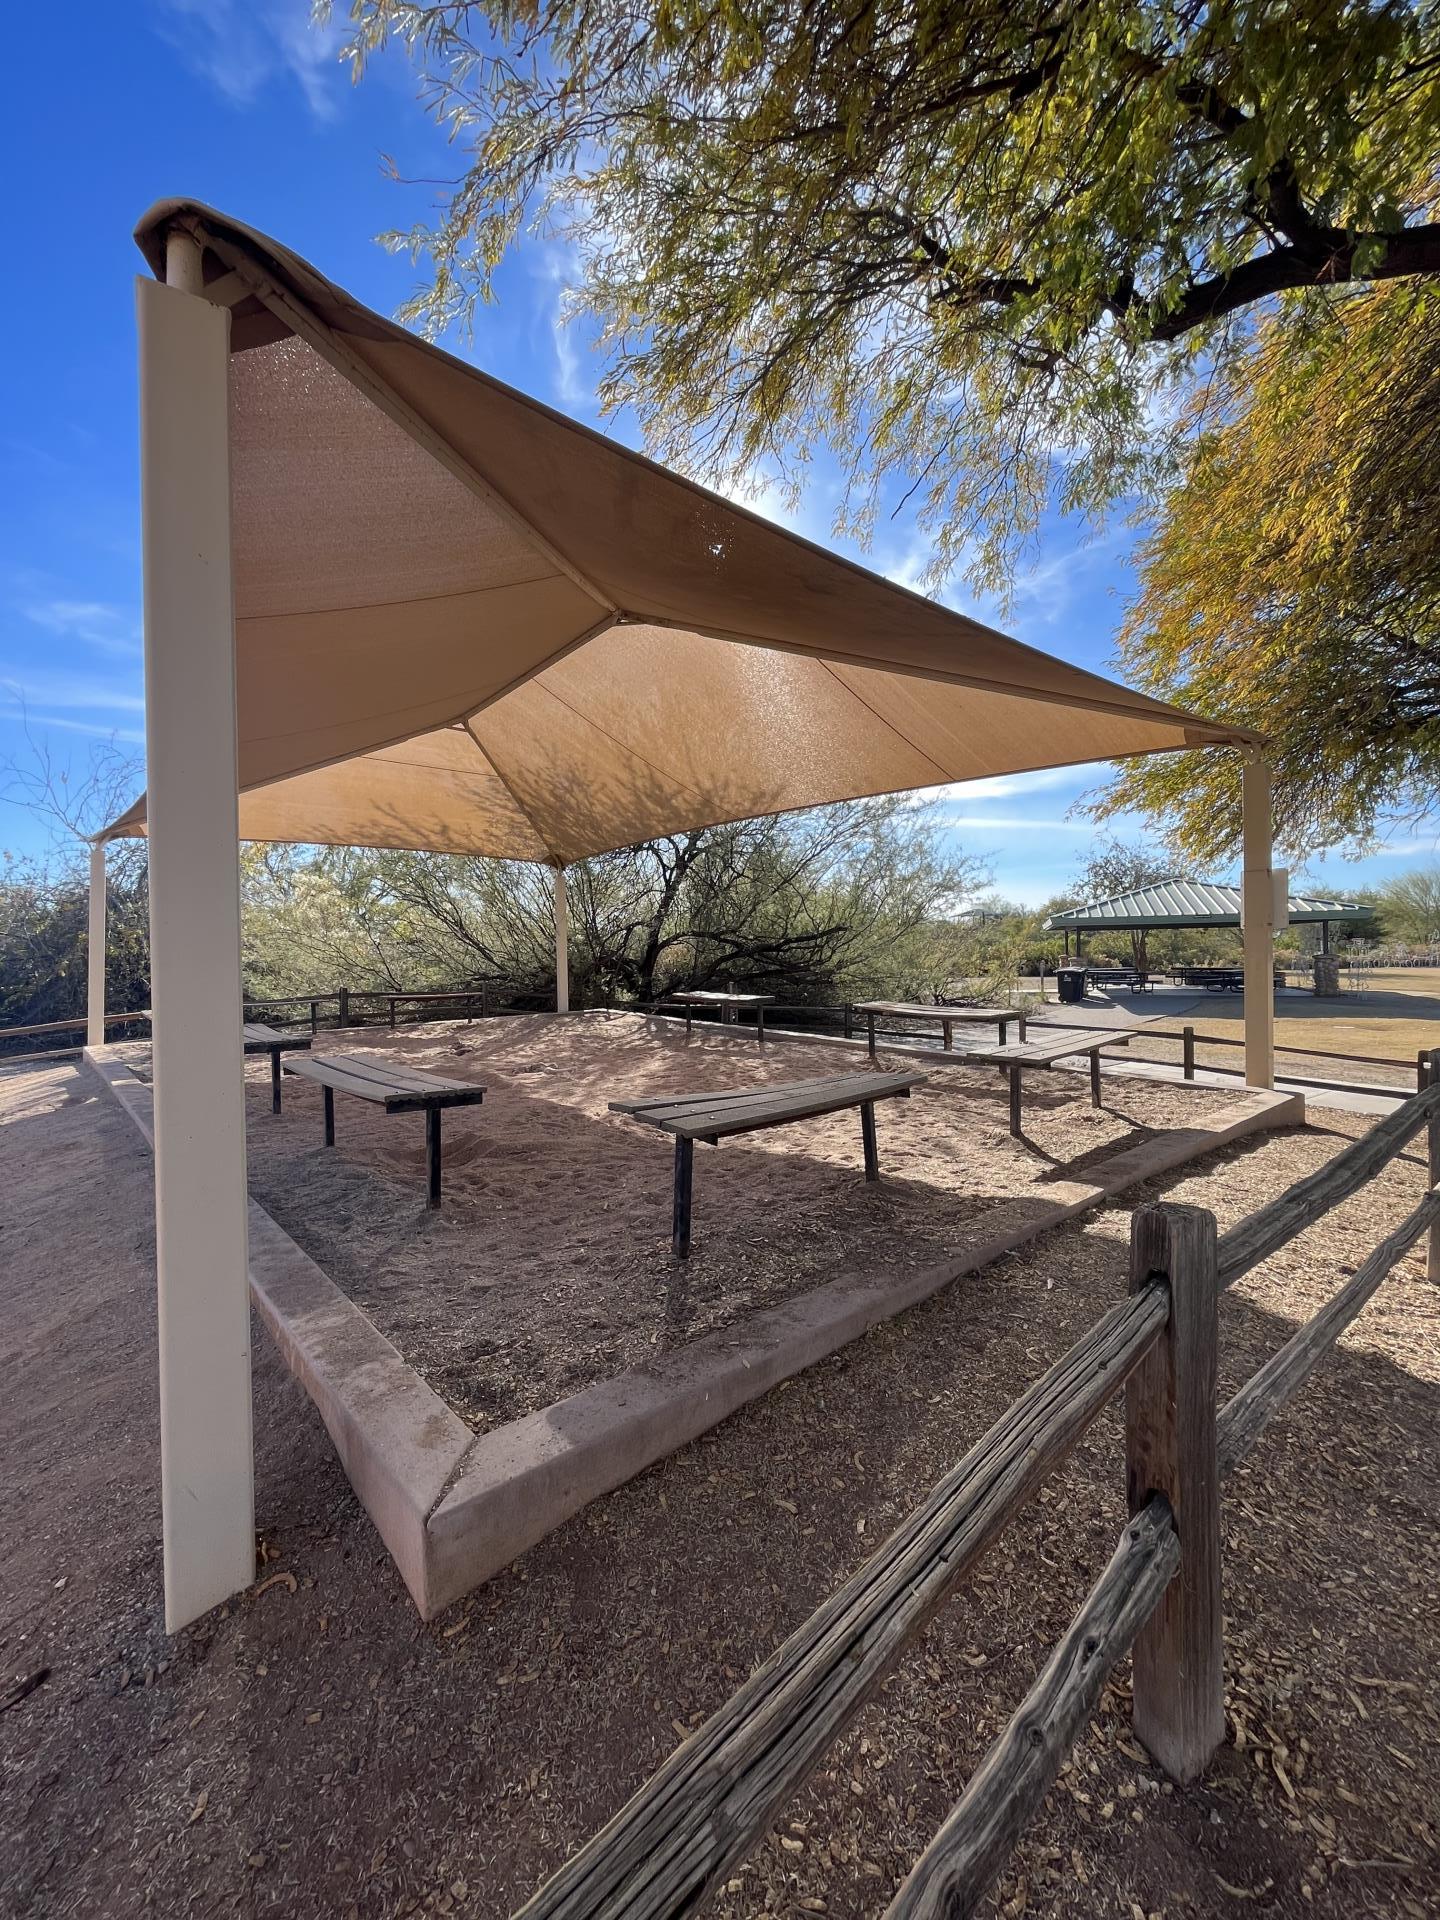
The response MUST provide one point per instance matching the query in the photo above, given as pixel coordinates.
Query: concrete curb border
(398, 1441)
(454, 1508)
(523, 1480)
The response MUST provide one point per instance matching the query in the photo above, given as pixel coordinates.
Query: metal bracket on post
(1170, 1449)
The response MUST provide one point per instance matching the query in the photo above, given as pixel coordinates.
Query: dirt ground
(549, 1265)
(313, 1750)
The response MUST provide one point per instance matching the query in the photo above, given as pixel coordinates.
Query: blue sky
(240, 103)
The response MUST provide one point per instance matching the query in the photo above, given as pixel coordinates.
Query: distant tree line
(841, 903)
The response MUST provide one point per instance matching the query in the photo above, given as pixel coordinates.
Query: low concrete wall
(454, 1508)
(521, 1481)
(397, 1439)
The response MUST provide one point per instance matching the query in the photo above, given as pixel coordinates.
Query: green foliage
(45, 899)
(837, 903)
(1293, 582)
(1409, 906)
(972, 243)
(1119, 867)
(44, 940)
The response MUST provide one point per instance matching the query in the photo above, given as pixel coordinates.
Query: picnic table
(1048, 1052)
(258, 1038)
(1213, 979)
(728, 1005)
(947, 1016)
(398, 1090)
(712, 1117)
(1130, 977)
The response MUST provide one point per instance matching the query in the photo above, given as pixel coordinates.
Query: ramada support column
(1257, 899)
(562, 944)
(206, 1470)
(95, 959)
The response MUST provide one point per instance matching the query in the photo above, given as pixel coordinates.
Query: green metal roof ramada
(1187, 903)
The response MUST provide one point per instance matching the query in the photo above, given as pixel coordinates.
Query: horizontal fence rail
(1262, 1233)
(1246, 1415)
(78, 1024)
(1159, 1597)
(710, 1802)
(951, 1877)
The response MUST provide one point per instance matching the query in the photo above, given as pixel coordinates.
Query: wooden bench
(712, 1117)
(1047, 1053)
(258, 1038)
(398, 1090)
(947, 1016)
(728, 1005)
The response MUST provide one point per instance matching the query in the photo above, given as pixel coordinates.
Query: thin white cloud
(68, 692)
(131, 735)
(107, 628)
(1016, 823)
(1014, 786)
(241, 48)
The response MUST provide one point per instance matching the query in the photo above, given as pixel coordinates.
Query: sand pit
(549, 1267)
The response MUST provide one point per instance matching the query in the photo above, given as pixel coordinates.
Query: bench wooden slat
(388, 1073)
(706, 1117)
(905, 1010)
(258, 1038)
(415, 1091)
(1045, 1053)
(705, 997)
(679, 1103)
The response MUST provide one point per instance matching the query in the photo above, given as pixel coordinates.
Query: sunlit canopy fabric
(466, 623)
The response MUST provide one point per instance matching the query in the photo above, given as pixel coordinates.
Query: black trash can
(1071, 982)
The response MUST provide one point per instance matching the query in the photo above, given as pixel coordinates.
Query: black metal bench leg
(1014, 1073)
(432, 1156)
(1095, 1079)
(867, 1134)
(329, 1093)
(684, 1168)
(275, 1080)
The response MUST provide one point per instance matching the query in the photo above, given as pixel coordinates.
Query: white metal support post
(95, 965)
(562, 944)
(206, 1467)
(1257, 902)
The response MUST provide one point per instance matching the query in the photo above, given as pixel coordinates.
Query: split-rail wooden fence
(1159, 1597)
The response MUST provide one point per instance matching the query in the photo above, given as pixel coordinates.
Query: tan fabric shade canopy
(466, 623)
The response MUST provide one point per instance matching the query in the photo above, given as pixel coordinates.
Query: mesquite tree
(976, 244)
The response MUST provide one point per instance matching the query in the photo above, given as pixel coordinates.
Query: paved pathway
(1167, 1004)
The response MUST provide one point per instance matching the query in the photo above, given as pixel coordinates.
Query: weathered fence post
(1422, 1069)
(1187, 1035)
(1432, 1258)
(343, 1017)
(1170, 1449)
